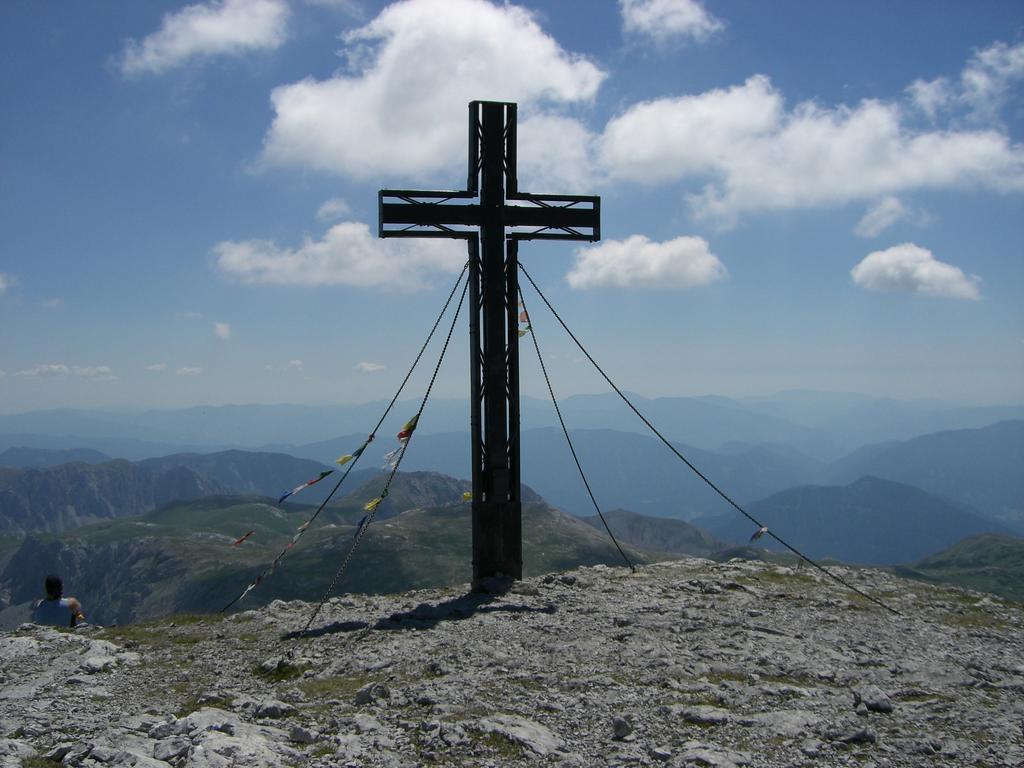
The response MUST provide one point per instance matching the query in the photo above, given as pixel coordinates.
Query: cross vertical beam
(492, 228)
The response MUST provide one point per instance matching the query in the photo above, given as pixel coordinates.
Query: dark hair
(54, 586)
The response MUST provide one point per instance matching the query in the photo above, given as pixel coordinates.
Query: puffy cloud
(911, 268)
(195, 371)
(6, 281)
(347, 255)
(222, 331)
(637, 262)
(400, 109)
(157, 367)
(227, 27)
(759, 156)
(881, 216)
(295, 365)
(333, 209)
(369, 367)
(664, 19)
(60, 370)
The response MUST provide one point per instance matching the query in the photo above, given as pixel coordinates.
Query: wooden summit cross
(492, 209)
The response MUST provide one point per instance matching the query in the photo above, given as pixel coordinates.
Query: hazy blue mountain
(871, 521)
(71, 495)
(25, 458)
(820, 424)
(113, 447)
(625, 469)
(859, 419)
(978, 468)
(988, 563)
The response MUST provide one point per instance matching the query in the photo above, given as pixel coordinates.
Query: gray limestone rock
(531, 735)
(873, 699)
(675, 665)
(171, 747)
(13, 751)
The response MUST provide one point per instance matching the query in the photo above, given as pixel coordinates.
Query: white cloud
(224, 27)
(54, 303)
(637, 262)
(881, 216)
(347, 255)
(664, 19)
(295, 365)
(401, 108)
(757, 155)
(982, 90)
(222, 331)
(554, 155)
(6, 281)
(931, 96)
(191, 314)
(157, 367)
(913, 269)
(369, 367)
(2, 373)
(189, 371)
(333, 209)
(987, 78)
(60, 370)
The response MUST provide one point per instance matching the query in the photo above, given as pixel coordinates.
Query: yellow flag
(344, 459)
(467, 496)
(373, 504)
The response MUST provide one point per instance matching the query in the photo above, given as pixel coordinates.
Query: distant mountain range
(979, 469)
(824, 425)
(35, 458)
(871, 521)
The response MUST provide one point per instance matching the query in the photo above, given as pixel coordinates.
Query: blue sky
(795, 194)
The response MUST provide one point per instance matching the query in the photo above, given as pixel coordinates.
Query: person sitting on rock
(57, 610)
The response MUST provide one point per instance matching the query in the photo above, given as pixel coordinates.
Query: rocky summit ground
(687, 663)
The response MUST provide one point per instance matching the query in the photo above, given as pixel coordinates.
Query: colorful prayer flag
(243, 538)
(467, 495)
(306, 484)
(372, 504)
(343, 460)
(759, 533)
(408, 428)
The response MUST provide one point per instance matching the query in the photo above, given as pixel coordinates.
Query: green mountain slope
(988, 563)
(181, 558)
(658, 534)
(69, 495)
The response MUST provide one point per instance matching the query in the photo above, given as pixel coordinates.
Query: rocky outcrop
(688, 663)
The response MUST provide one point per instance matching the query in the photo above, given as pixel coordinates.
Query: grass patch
(337, 687)
(973, 618)
(282, 672)
(501, 746)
